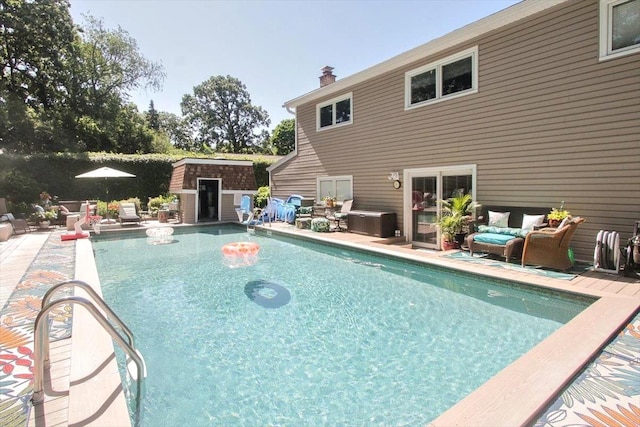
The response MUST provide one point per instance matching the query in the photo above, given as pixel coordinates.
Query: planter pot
(447, 246)
(44, 224)
(554, 223)
(460, 238)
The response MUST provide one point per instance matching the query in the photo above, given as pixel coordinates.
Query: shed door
(208, 202)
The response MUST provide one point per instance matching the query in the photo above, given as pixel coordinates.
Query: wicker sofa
(507, 242)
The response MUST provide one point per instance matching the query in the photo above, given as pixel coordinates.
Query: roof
(499, 19)
(193, 161)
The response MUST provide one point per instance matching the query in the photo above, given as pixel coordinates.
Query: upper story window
(335, 112)
(448, 78)
(619, 28)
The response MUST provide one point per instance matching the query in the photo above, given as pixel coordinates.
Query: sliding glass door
(421, 207)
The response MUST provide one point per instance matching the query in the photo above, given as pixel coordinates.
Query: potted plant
(329, 201)
(556, 216)
(454, 218)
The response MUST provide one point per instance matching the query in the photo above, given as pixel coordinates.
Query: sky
(275, 48)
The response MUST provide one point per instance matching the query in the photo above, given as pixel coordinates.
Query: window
(619, 28)
(335, 112)
(340, 187)
(451, 77)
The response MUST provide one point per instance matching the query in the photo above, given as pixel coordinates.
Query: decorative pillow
(499, 219)
(39, 209)
(529, 221)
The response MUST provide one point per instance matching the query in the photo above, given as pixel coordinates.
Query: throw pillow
(499, 219)
(529, 221)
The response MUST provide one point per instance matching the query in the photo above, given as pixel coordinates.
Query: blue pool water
(311, 334)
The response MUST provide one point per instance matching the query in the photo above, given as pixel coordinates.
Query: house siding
(549, 123)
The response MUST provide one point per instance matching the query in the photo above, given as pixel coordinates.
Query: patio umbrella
(106, 173)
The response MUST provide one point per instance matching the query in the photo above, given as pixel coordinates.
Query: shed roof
(234, 174)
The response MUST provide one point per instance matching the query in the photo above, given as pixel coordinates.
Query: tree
(222, 116)
(283, 138)
(36, 41)
(152, 117)
(177, 130)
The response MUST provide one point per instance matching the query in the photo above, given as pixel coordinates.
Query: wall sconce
(395, 177)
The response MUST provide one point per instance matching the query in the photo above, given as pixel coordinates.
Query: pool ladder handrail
(41, 335)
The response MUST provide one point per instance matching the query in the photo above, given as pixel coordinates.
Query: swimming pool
(361, 340)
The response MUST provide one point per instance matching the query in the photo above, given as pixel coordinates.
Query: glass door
(427, 186)
(424, 210)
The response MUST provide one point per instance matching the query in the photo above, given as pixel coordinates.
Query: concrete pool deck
(498, 402)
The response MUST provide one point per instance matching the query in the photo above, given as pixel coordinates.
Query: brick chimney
(327, 76)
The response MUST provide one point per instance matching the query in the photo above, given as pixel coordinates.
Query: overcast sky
(275, 48)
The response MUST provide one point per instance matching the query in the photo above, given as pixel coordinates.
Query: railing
(41, 335)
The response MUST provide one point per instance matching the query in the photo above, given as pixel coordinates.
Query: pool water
(308, 334)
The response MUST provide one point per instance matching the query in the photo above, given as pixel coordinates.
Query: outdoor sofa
(501, 230)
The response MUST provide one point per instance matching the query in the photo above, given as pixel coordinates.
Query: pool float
(241, 249)
(160, 235)
(87, 218)
(240, 254)
(267, 294)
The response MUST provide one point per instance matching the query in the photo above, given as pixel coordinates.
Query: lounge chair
(245, 209)
(18, 224)
(342, 215)
(549, 247)
(127, 213)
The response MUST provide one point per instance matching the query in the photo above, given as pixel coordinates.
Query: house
(529, 107)
(211, 189)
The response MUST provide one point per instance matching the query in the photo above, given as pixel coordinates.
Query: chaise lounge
(127, 213)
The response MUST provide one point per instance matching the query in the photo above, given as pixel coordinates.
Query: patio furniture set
(517, 232)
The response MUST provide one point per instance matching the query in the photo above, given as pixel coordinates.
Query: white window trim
(334, 179)
(606, 20)
(333, 102)
(472, 52)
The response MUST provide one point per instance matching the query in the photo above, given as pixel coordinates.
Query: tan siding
(549, 123)
(188, 207)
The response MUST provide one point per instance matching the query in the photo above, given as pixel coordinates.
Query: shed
(211, 189)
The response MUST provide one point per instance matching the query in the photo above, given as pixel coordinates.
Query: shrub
(261, 197)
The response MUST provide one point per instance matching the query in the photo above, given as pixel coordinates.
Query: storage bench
(378, 224)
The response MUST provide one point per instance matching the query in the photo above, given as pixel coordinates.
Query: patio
(19, 253)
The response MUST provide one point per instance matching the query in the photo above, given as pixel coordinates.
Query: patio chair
(549, 247)
(342, 215)
(18, 224)
(245, 209)
(127, 213)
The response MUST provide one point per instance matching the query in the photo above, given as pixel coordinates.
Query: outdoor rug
(54, 263)
(484, 259)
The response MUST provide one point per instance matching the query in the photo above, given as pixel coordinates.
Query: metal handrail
(42, 335)
(97, 301)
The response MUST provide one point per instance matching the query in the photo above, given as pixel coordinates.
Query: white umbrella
(106, 173)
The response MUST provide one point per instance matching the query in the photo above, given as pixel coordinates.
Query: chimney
(327, 76)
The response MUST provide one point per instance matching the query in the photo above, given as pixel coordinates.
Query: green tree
(283, 138)
(222, 116)
(36, 41)
(152, 117)
(177, 130)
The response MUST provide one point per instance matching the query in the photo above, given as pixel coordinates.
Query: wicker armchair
(550, 247)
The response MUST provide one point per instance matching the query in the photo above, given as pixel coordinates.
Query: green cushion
(321, 225)
(493, 238)
(516, 232)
